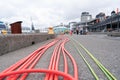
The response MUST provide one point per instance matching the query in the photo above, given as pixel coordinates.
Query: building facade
(85, 16)
(111, 23)
(101, 16)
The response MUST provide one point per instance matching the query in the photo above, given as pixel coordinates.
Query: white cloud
(47, 13)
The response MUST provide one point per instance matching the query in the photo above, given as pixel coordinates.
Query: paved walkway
(105, 49)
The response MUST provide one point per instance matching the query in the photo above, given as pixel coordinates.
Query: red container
(16, 27)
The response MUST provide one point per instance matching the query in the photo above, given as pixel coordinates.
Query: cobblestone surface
(104, 48)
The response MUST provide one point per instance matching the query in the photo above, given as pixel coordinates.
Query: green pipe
(105, 71)
(90, 68)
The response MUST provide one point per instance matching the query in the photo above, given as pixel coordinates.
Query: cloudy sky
(45, 13)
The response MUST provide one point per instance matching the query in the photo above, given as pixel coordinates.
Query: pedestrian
(86, 31)
(81, 30)
(77, 31)
(71, 32)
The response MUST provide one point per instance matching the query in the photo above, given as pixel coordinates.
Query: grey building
(101, 16)
(85, 16)
(111, 23)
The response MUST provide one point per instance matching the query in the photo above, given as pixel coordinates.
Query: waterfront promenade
(103, 48)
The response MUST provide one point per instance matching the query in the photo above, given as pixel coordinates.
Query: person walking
(71, 32)
(77, 31)
(81, 30)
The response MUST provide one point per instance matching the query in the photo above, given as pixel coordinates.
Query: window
(2, 26)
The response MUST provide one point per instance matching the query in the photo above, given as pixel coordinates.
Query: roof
(2, 26)
(1, 22)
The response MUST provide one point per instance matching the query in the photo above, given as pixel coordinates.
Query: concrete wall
(114, 34)
(13, 42)
(98, 33)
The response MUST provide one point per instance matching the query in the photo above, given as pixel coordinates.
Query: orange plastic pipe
(36, 71)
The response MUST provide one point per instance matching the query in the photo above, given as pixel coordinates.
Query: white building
(71, 24)
(85, 16)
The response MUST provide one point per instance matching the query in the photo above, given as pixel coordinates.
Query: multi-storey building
(85, 16)
(111, 23)
(101, 16)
